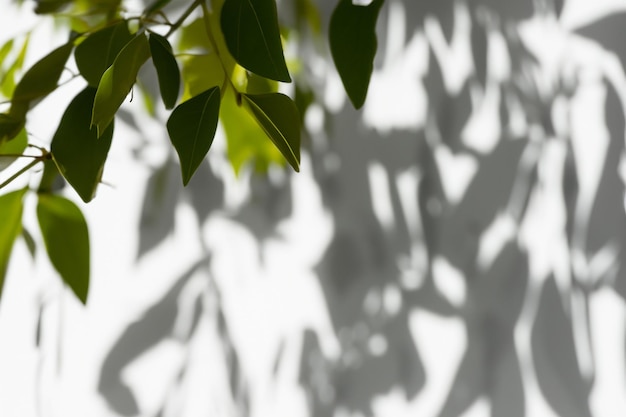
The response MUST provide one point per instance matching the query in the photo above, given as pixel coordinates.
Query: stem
(18, 155)
(21, 171)
(183, 17)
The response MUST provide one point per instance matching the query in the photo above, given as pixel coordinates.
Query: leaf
(167, 69)
(5, 49)
(50, 6)
(278, 116)
(8, 78)
(200, 72)
(155, 6)
(76, 149)
(252, 35)
(192, 127)
(12, 147)
(66, 238)
(40, 80)
(97, 53)
(10, 127)
(117, 81)
(31, 245)
(353, 45)
(10, 227)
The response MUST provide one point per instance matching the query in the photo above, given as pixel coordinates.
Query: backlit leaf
(252, 35)
(5, 49)
(8, 78)
(10, 227)
(192, 127)
(12, 147)
(279, 118)
(167, 69)
(117, 81)
(40, 80)
(353, 46)
(78, 152)
(66, 238)
(97, 53)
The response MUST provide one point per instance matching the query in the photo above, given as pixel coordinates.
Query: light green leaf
(8, 78)
(66, 238)
(97, 53)
(353, 45)
(200, 72)
(40, 80)
(117, 81)
(251, 32)
(12, 147)
(192, 127)
(279, 118)
(167, 69)
(5, 49)
(76, 149)
(10, 227)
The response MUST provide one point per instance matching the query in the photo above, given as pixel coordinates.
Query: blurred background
(455, 248)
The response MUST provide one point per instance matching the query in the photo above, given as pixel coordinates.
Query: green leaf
(12, 147)
(200, 72)
(192, 127)
(97, 53)
(353, 45)
(8, 78)
(167, 69)
(10, 127)
(155, 7)
(40, 80)
(117, 81)
(5, 49)
(50, 6)
(76, 149)
(31, 245)
(279, 118)
(66, 238)
(10, 227)
(252, 35)
(51, 180)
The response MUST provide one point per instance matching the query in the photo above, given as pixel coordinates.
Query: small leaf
(253, 38)
(279, 118)
(117, 81)
(10, 227)
(167, 69)
(66, 238)
(97, 53)
(155, 7)
(12, 147)
(10, 127)
(76, 149)
(8, 78)
(40, 80)
(353, 46)
(31, 245)
(5, 49)
(192, 127)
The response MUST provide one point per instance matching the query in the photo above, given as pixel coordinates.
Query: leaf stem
(21, 171)
(174, 27)
(18, 155)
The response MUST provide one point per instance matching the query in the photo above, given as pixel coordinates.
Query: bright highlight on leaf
(353, 46)
(76, 149)
(192, 127)
(40, 80)
(10, 227)
(12, 147)
(97, 53)
(66, 238)
(167, 69)
(117, 81)
(279, 118)
(252, 35)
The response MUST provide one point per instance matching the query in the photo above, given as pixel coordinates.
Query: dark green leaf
(51, 180)
(353, 45)
(167, 69)
(117, 81)
(66, 238)
(12, 147)
(10, 127)
(97, 53)
(192, 128)
(253, 38)
(50, 6)
(31, 245)
(40, 80)
(279, 118)
(10, 227)
(78, 152)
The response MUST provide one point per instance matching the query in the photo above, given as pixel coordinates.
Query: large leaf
(353, 45)
(78, 152)
(97, 53)
(167, 69)
(117, 81)
(278, 116)
(12, 147)
(66, 237)
(40, 80)
(192, 127)
(10, 227)
(253, 38)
